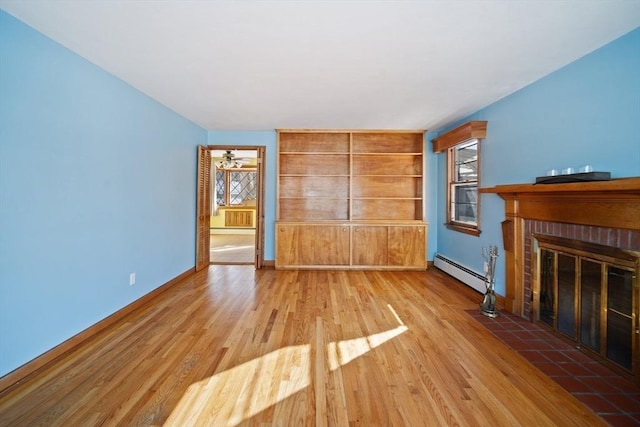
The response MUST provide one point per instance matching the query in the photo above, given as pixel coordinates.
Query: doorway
(230, 206)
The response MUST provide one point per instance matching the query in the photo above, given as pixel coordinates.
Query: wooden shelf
(389, 198)
(614, 203)
(385, 165)
(313, 209)
(386, 209)
(326, 153)
(402, 186)
(314, 164)
(316, 142)
(319, 175)
(623, 185)
(331, 180)
(387, 154)
(333, 186)
(388, 142)
(388, 176)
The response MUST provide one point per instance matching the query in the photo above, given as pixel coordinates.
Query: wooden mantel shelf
(614, 203)
(621, 185)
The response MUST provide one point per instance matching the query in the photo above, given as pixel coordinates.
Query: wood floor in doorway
(232, 248)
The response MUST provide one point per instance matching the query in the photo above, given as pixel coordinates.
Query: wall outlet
(132, 279)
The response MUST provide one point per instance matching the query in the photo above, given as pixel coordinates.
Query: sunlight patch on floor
(237, 394)
(342, 352)
(231, 248)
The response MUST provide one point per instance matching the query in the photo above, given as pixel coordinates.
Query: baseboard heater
(464, 274)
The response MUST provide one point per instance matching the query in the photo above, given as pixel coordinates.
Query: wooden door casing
(203, 208)
(259, 219)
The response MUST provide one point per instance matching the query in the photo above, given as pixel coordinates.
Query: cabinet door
(286, 245)
(309, 245)
(369, 245)
(324, 244)
(407, 245)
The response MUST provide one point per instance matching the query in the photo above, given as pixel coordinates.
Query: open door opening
(234, 187)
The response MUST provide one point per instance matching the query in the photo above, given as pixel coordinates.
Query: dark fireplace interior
(588, 293)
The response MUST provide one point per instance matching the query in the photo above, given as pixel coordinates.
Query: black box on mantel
(574, 177)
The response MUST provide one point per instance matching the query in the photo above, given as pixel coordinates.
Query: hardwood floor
(236, 346)
(232, 249)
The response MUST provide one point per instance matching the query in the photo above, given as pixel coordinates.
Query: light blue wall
(431, 196)
(96, 181)
(267, 139)
(585, 113)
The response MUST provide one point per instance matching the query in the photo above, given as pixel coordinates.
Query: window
(233, 186)
(463, 185)
(462, 146)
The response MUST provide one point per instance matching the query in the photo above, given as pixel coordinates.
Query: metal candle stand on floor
(488, 305)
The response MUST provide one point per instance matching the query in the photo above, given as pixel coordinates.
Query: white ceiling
(236, 153)
(258, 65)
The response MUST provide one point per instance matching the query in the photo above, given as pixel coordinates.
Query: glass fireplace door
(592, 299)
(620, 320)
(591, 304)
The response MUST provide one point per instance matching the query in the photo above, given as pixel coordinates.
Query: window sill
(463, 229)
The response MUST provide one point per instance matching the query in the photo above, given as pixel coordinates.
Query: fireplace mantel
(623, 185)
(613, 204)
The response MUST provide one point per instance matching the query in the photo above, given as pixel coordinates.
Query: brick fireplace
(606, 211)
(599, 216)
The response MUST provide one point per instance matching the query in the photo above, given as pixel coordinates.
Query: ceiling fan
(228, 160)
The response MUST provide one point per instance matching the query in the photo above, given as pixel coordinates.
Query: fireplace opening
(588, 293)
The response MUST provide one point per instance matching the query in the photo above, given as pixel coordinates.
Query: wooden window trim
(469, 130)
(445, 143)
(473, 231)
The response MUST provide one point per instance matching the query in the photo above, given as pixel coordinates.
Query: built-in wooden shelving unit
(350, 199)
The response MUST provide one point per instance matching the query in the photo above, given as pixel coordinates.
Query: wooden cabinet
(407, 245)
(300, 245)
(369, 245)
(392, 246)
(364, 183)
